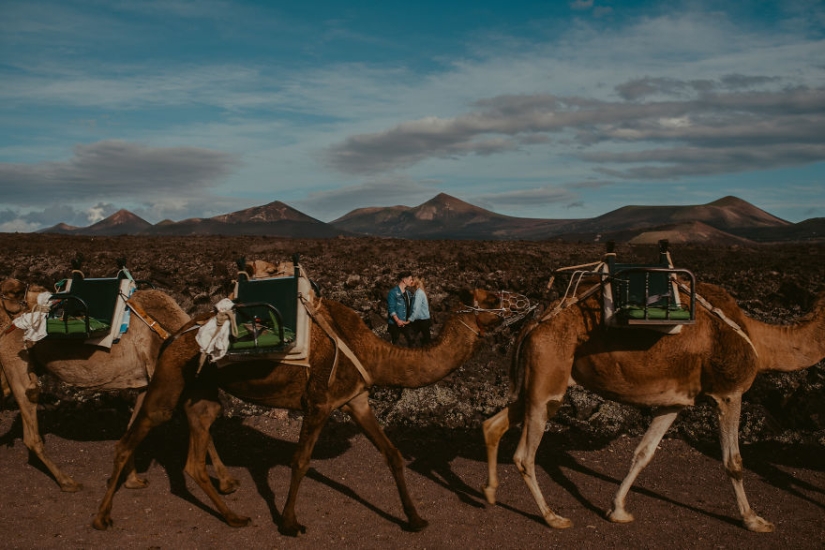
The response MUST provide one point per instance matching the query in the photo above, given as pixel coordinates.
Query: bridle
(513, 308)
(22, 302)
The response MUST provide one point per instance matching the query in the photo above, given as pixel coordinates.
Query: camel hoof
(238, 521)
(417, 524)
(490, 494)
(33, 394)
(292, 530)
(136, 483)
(70, 486)
(557, 522)
(759, 525)
(102, 523)
(620, 516)
(228, 486)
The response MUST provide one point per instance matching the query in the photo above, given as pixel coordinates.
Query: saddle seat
(647, 294)
(266, 312)
(89, 308)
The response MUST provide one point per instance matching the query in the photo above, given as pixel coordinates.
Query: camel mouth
(512, 306)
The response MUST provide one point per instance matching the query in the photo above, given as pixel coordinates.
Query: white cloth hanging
(213, 337)
(34, 322)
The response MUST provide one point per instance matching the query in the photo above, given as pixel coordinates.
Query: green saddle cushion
(75, 327)
(657, 313)
(267, 338)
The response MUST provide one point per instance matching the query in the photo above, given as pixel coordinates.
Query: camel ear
(467, 298)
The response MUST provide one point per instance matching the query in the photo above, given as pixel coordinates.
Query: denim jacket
(420, 307)
(396, 304)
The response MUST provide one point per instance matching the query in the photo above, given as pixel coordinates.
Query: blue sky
(177, 109)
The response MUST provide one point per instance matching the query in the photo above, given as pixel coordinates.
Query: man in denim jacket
(398, 308)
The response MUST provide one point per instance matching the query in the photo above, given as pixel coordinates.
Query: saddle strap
(337, 342)
(721, 314)
(566, 302)
(146, 318)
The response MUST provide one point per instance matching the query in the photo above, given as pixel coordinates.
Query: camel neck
(416, 367)
(790, 347)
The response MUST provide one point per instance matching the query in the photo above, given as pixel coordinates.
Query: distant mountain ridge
(729, 220)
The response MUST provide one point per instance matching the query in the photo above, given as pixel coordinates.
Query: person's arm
(418, 307)
(392, 307)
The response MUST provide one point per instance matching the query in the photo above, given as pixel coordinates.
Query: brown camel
(128, 364)
(645, 368)
(315, 390)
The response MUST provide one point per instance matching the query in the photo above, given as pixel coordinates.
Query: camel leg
(158, 406)
(124, 452)
(494, 429)
(642, 456)
(226, 483)
(730, 409)
(201, 413)
(314, 420)
(525, 457)
(363, 415)
(133, 480)
(18, 378)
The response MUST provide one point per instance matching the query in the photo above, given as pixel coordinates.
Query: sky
(175, 109)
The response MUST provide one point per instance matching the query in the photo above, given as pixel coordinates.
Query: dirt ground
(348, 500)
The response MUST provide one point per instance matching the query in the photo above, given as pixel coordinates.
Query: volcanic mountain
(728, 220)
(121, 222)
(728, 214)
(274, 219)
(442, 217)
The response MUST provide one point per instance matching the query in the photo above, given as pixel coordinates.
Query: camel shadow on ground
(429, 452)
(431, 456)
(773, 461)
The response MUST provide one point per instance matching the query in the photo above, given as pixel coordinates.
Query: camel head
(13, 297)
(260, 269)
(493, 308)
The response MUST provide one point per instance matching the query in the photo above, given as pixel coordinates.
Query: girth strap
(337, 342)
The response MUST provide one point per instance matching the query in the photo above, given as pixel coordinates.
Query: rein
(514, 307)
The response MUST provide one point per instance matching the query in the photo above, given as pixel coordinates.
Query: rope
(721, 314)
(337, 342)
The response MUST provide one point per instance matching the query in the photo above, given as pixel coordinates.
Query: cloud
(641, 88)
(116, 170)
(677, 162)
(707, 132)
(540, 196)
(581, 4)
